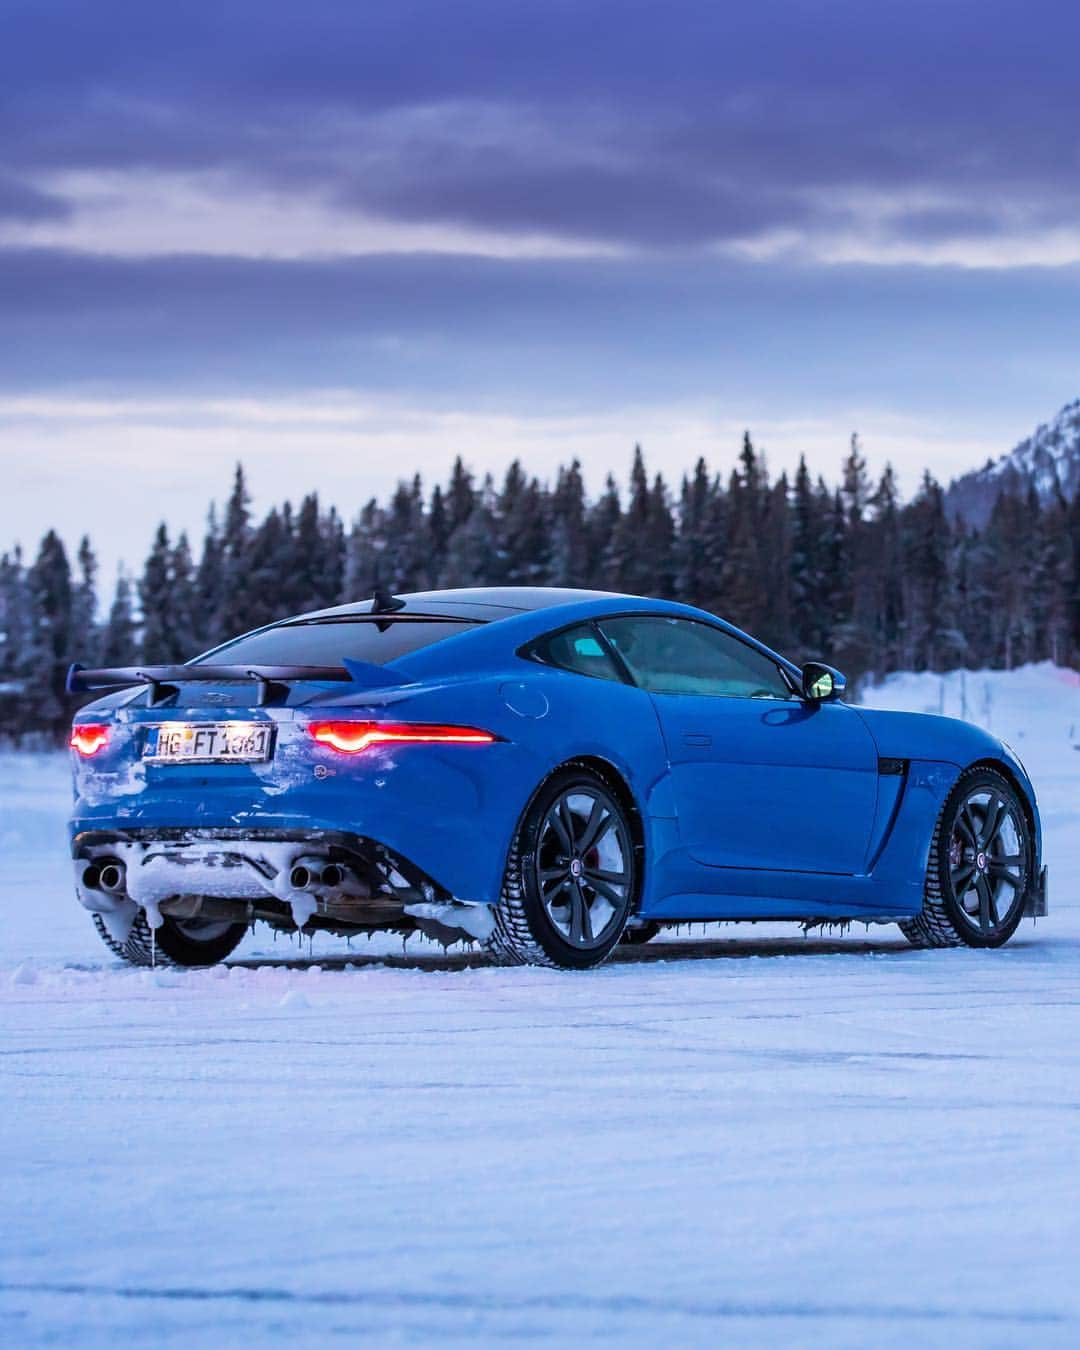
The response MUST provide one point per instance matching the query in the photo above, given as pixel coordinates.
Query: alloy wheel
(988, 860)
(584, 864)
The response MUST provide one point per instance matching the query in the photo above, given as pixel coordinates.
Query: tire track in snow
(713, 1310)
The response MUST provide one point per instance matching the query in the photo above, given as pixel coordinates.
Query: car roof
(478, 603)
(499, 615)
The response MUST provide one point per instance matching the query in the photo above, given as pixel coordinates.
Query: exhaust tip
(111, 877)
(91, 877)
(333, 875)
(300, 878)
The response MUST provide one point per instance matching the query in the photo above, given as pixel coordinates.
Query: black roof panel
(474, 602)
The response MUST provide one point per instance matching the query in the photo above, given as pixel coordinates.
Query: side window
(680, 656)
(577, 649)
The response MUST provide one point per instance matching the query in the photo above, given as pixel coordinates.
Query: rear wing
(273, 681)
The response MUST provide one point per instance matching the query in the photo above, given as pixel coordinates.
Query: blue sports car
(547, 772)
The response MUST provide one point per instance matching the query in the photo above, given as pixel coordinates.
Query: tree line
(849, 572)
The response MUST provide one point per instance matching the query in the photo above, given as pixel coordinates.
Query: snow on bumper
(331, 879)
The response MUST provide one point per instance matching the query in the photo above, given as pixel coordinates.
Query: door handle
(696, 738)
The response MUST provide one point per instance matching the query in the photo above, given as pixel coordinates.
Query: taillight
(88, 738)
(353, 737)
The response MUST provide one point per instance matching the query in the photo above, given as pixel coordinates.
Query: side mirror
(822, 684)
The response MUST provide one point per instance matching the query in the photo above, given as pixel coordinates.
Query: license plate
(209, 743)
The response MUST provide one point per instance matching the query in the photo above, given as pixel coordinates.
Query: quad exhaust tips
(104, 882)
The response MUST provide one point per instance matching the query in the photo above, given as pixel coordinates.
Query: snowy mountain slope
(1049, 459)
(1036, 709)
(830, 1141)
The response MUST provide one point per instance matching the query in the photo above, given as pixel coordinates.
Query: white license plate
(209, 742)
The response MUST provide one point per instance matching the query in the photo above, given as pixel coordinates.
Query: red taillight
(352, 737)
(88, 738)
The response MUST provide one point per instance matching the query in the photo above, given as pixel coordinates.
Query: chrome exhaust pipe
(110, 878)
(301, 877)
(308, 873)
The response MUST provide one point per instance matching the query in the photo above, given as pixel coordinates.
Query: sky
(344, 242)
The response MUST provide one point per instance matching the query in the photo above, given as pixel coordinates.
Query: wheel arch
(1008, 773)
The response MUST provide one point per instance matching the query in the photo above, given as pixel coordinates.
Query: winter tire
(571, 876)
(980, 869)
(178, 942)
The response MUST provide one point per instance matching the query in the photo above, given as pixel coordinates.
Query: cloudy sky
(347, 240)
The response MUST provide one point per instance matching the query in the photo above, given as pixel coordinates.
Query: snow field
(754, 1139)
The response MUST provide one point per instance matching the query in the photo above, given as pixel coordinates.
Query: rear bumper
(292, 878)
(452, 815)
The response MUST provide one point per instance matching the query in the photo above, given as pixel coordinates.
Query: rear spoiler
(273, 681)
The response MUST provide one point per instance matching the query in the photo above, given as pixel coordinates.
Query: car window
(681, 656)
(317, 642)
(578, 650)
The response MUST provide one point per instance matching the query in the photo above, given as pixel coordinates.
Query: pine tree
(277, 583)
(522, 531)
(209, 584)
(308, 582)
(925, 569)
(569, 552)
(85, 629)
(119, 646)
(887, 603)
(470, 554)
(460, 497)
(656, 574)
(1072, 594)
(602, 525)
(743, 581)
(626, 565)
(155, 601)
(51, 638)
(17, 672)
(807, 572)
(333, 559)
(694, 566)
(856, 648)
(236, 605)
(406, 550)
(184, 624)
(362, 552)
(775, 554)
(438, 523)
(837, 599)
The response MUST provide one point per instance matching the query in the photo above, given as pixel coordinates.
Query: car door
(762, 779)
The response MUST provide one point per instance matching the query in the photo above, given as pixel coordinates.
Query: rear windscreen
(325, 644)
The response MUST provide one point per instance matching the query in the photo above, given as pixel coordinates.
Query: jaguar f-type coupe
(546, 772)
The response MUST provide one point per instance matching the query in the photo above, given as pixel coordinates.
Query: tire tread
(512, 941)
(139, 948)
(933, 926)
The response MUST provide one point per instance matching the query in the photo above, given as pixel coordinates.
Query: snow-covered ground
(754, 1139)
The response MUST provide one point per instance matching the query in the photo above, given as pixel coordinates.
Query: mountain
(1050, 459)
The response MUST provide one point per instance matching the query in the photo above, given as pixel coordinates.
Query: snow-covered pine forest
(875, 582)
